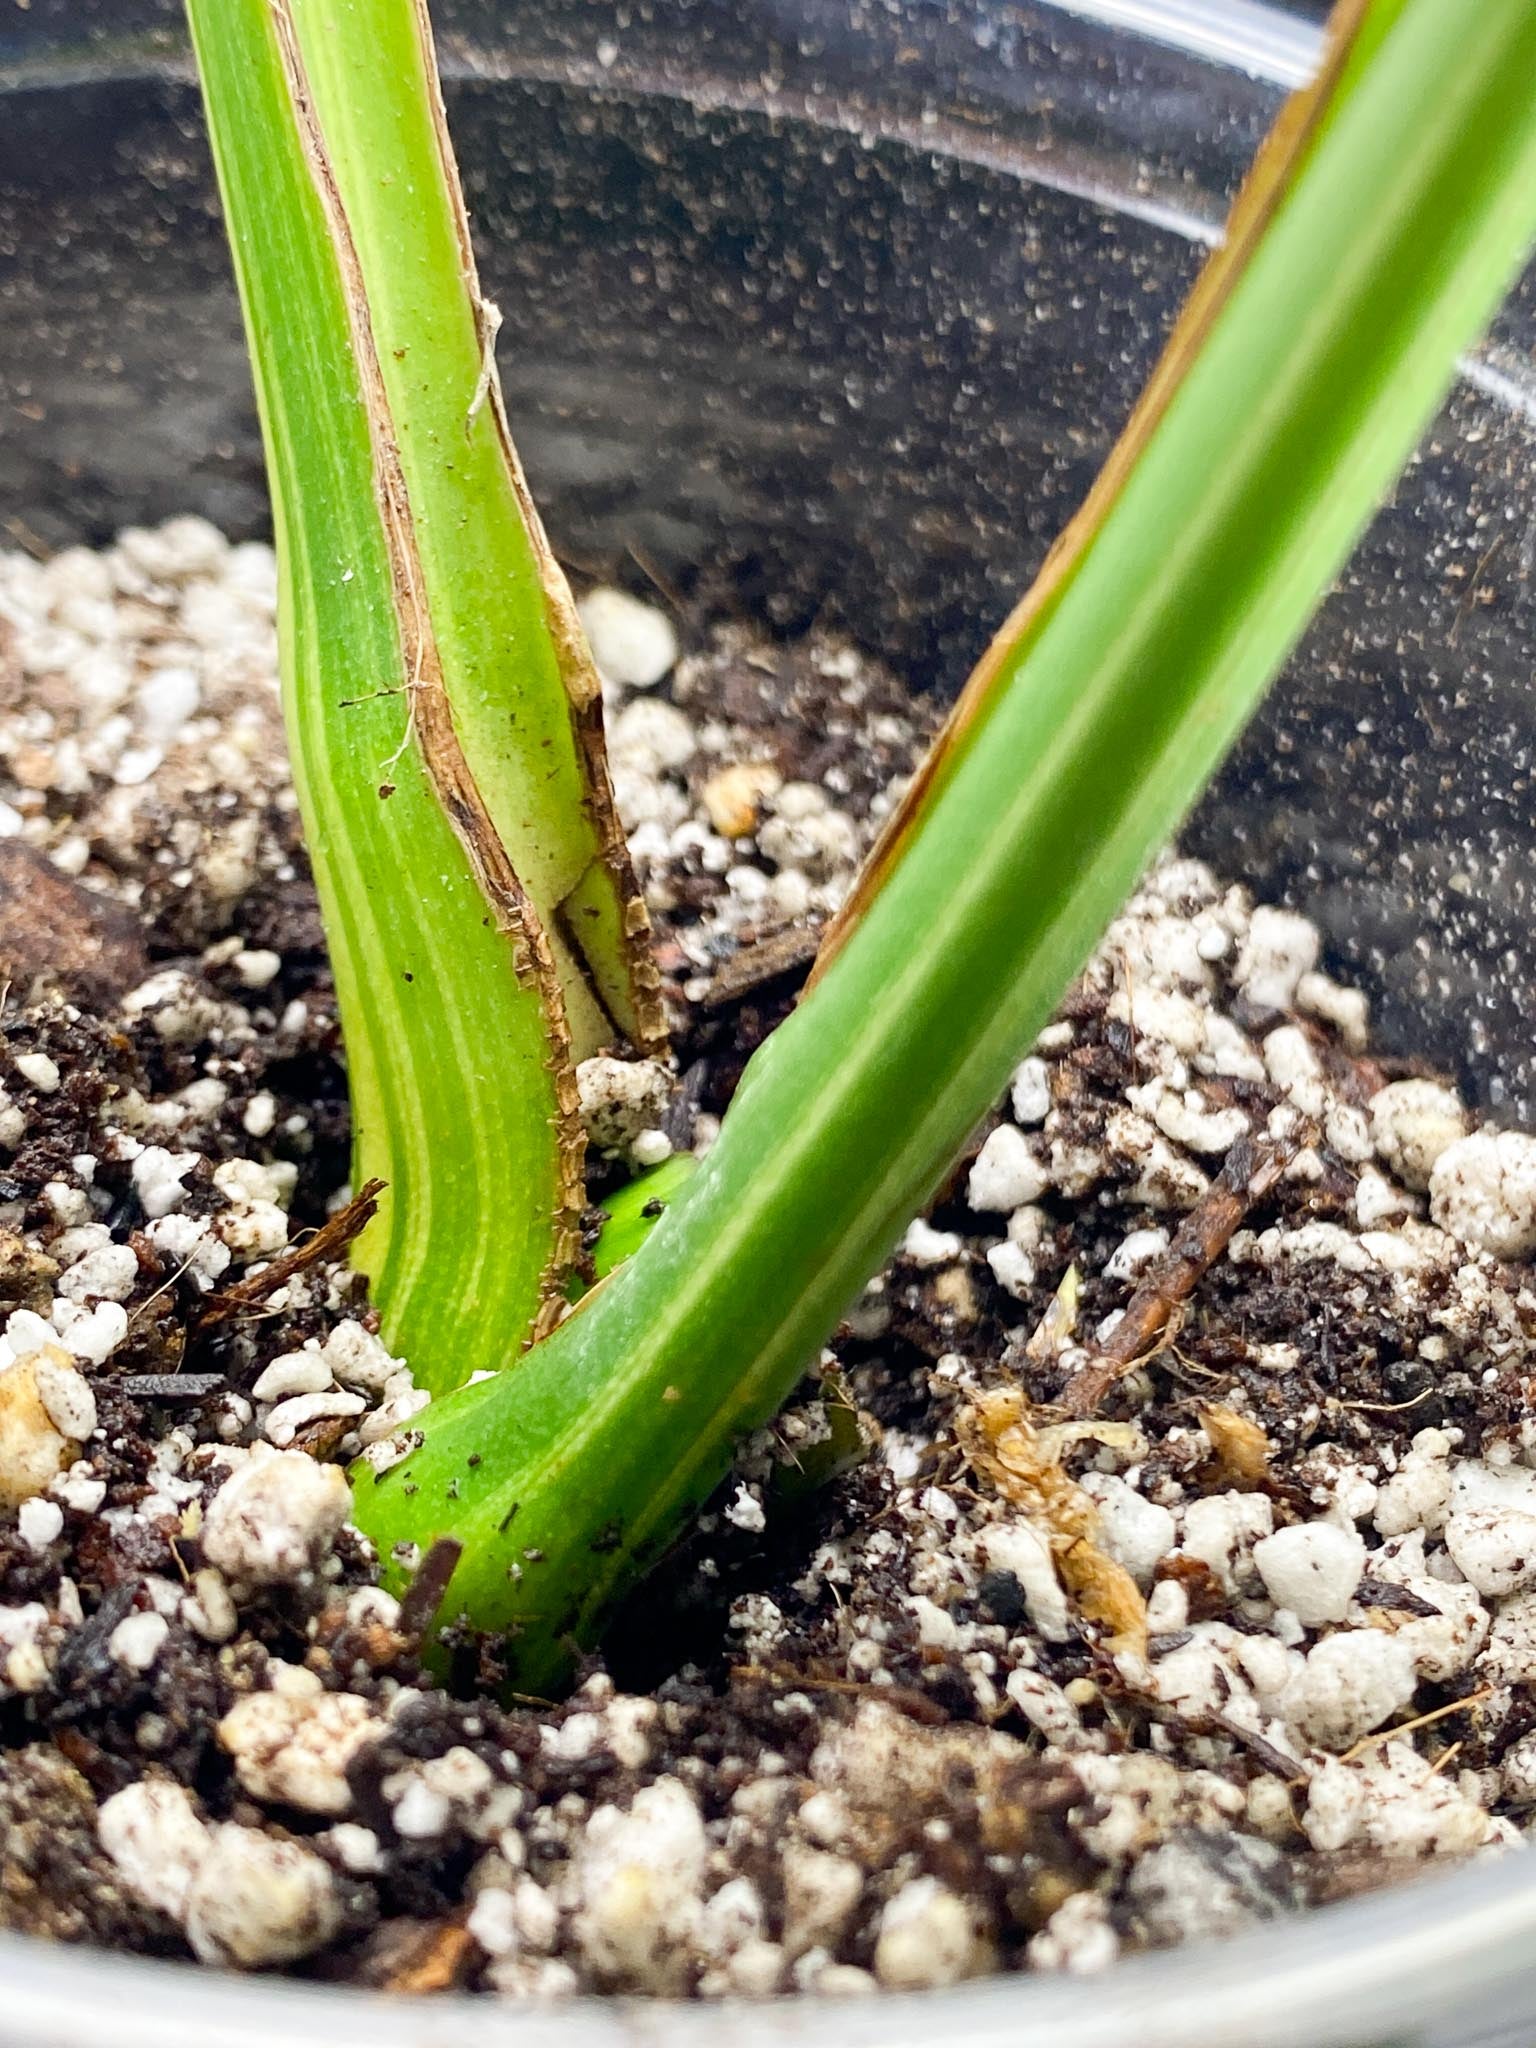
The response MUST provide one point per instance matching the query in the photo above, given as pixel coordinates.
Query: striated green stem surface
(1108, 706)
(527, 706)
(439, 712)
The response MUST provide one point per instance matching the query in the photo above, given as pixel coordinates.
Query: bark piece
(53, 930)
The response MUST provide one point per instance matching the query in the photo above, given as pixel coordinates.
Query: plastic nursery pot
(835, 309)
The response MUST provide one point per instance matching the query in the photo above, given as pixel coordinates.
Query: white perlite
(1136, 1250)
(925, 1246)
(1078, 1937)
(638, 1879)
(296, 1372)
(1031, 1093)
(1350, 1684)
(358, 1359)
(1017, 1547)
(1510, 1658)
(620, 1098)
(1007, 1173)
(157, 1176)
(927, 1938)
(1221, 1530)
(294, 1748)
(1493, 1548)
(649, 737)
(821, 1891)
(64, 1392)
(153, 1835)
(1483, 1190)
(39, 1523)
(254, 1901)
(1180, 1892)
(633, 644)
(1413, 1122)
(108, 1274)
(275, 1517)
(1279, 949)
(1419, 1491)
(138, 1640)
(289, 1417)
(1134, 1531)
(1313, 1569)
(1392, 1801)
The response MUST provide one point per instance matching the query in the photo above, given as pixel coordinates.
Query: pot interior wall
(829, 316)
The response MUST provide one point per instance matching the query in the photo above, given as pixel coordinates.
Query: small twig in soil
(1266, 1754)
(1473, 1699)
(1183, 1365)
(1387, 1407)
(164, 1288)
(1474, 586)
(754, 965)
(172, 1386)
(1130, 1007)
(906, 1699)
(24, 537)
(332, 1238)
(1251, 1169)
(652, 574)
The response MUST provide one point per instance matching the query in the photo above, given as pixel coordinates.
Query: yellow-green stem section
(452, 1057)
(526, 701)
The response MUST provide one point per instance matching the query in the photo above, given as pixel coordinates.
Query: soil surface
(1153, 1552)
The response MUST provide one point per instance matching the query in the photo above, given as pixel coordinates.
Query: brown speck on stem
(424, 1595)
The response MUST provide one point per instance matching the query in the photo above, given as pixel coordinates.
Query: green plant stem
(1407, 218)
(527, 704)
(635, 1209)
(453, 997)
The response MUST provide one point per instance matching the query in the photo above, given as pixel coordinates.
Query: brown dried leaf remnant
(604, 918)
(1023, 1462)
(1240, 1444)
